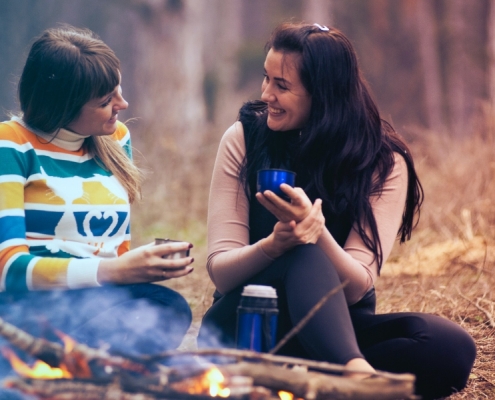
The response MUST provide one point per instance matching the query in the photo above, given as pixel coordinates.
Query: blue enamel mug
(271, 179)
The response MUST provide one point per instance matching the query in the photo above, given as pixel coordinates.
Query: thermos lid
(259, 291)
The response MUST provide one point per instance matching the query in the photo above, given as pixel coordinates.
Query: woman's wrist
(270, 248)
(104, 273)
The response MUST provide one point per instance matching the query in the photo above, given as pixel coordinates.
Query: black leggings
(438, 352)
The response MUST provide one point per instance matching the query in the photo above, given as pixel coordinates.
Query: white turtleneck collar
(65, 139)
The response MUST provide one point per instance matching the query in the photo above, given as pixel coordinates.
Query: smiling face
(98, 117)
(289, 104)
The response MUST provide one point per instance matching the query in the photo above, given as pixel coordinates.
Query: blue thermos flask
(257, 316)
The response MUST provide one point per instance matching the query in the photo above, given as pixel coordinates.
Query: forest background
(188, 65)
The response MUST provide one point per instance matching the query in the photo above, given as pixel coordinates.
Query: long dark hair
(66, 67)
(346, 150)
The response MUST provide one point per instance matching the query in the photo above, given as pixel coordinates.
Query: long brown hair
(346, 149)
(66, 67)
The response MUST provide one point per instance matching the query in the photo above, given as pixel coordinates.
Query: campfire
(73, 371)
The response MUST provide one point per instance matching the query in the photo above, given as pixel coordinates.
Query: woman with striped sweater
(66, 184)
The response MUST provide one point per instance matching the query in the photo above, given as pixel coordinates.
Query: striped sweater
(60, 212)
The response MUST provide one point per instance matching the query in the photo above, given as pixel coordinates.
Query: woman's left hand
(296, 210)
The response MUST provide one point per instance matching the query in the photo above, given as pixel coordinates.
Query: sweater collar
(64, 139)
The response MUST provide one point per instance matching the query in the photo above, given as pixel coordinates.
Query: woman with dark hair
(66, 184)
(357, 190)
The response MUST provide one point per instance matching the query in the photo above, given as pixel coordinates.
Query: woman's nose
(266, 95)
(122, 104)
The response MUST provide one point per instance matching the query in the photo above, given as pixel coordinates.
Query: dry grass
(447, 268)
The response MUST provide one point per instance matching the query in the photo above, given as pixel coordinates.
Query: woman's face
(98, 116)
(289, 104)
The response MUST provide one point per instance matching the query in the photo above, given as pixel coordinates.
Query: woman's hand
(145, 264)
(297, 209)
(287, 235)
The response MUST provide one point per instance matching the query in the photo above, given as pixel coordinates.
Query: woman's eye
(282, 87)
(106, 103)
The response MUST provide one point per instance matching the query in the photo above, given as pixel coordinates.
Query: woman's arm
(231, 259)
(46, 241)
(355, 262)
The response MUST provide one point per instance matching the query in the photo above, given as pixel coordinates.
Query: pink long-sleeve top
(232, 260)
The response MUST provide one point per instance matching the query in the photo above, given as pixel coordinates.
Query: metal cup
(177, 254)
(271, 179)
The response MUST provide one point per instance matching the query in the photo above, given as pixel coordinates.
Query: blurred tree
(319, 11)
(457, 67)
(430, 63)
(491, 57)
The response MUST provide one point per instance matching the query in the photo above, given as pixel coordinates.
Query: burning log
(271, 371)
(315, 386)
(48, 352)
(74, 356)
(241, 375)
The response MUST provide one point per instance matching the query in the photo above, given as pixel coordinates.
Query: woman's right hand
(287, 235)
(145, 264)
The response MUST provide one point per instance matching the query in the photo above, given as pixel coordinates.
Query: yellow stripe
(11, 195)
(39, 192)
(50, 273)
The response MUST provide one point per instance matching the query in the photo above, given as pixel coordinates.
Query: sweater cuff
(82, 273)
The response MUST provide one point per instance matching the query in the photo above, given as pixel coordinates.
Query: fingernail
(190, 269)
(191, 245)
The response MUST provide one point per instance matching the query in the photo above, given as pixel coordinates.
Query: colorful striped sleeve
(24, 265)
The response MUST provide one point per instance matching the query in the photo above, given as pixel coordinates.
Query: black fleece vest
(253, 117)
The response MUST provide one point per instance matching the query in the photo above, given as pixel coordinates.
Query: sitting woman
(66, 184)
(356, 191)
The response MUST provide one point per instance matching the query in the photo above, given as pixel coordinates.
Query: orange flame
(209, 383)
(215, 379)
(285, 395)
(39, 370)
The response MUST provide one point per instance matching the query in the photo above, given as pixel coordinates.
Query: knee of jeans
(182, 308)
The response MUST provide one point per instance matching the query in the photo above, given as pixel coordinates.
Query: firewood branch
(302, 323)
(55, 355)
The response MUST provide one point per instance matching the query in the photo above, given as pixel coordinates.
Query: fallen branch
(302, 323)
(55, 355)
(48, 352)
(315, 386)
(248, 355)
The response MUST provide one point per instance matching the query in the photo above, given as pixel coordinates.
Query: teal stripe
(15, 280)
(69, 169)
(42, 251)
(14, 162)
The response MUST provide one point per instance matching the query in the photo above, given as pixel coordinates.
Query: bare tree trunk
(318, 11)
(170, 61)
(456, 71)
(430, 61)
(491, 57)
(224, 36)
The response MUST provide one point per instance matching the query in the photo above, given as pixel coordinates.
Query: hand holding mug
(276, 192)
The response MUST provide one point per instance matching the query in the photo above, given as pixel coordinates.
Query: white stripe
(6, 268)
(35, 177)
(21, 148)
(76, 207)
(29, 272)
(12, 179)
(63, 156)
(12, 212)
(12, 243)
(83, 273)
